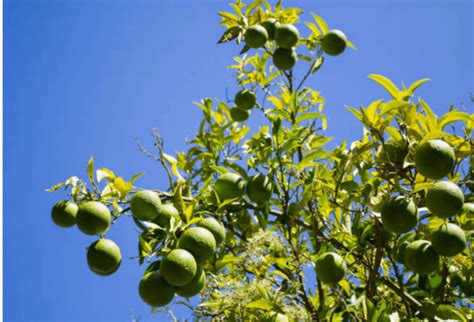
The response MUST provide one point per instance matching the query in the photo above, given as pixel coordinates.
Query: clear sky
(85, 77)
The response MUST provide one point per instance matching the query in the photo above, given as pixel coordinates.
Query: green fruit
(400, 252)
(333, 42)
(104, 257)
(199, 241)
(245, 99)
(274, 317)
(446, 312)
(239, 114)
(229, 186)
(64, 213)
(399, 215)
(145, 205)
(444, 199)
(215, 227)
(421, 257)
(178, 267)
(93, 218)
(448, 240)
(434, 159)
(270, 26)
(165, 213)
(393, 153)
(330, 268)
(468, 211)
(369, 234)
(154, 290)
(284, 59)
(259, 188)
(256, 36)
(286, 36)
(195, 286)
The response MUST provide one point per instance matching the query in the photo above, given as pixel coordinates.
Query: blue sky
(85, 77)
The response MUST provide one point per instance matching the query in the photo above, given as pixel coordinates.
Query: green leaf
(55, 187)
(317, 64)
(230, 34)
(309, 116)
(387, 84)
(356, 113)
(321, 23)
(451, 117)
(417, 84)
(251, 7)
(136, 176)
(90, 169)
(226, 260)
(262, 304)
(174, 165)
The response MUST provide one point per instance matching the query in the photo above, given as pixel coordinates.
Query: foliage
(323, 200)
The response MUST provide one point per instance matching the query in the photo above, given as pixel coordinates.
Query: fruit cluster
(286, 37)
(179, 272)
(434, 159)
(92, 218)
(258, 188)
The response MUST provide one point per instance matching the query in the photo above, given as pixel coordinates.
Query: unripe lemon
(145, 205)
(284, 59)
(259, 189)
(93, 218)
(245, 99)
(270, 26)
(434, 159)
(165, 213)
(286, 36)
(400, 252)
(256, 36)
(193, 287)
(64, 213)
(444, 199)
(104, 257)
(154, 290)
(330, 268)
(229, 186)
(421, 257)
(393, 153)
(448, 240)
(178, 267)
(468, 211)
(333, 42)
(239, 115)
(399, 215)
(215, 227)
(199, 241)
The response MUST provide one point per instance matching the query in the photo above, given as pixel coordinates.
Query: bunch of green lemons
(92, 218)
(286, 37)
(180, 271)
(434, 159)
(258, 188)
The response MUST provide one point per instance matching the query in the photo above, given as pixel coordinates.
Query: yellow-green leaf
(387, 84)
(90, 169)
(104, 173)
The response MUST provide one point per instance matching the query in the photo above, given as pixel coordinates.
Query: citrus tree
(269, 224)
